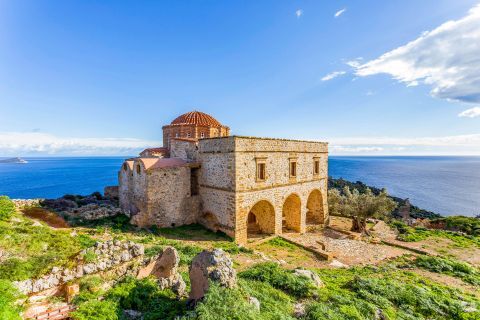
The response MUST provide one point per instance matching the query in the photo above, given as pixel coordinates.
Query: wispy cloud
(340, 12)
(459, 144)
(447, 59)
(332, 75)
(299, 13)
(36, 143)
(470, 113)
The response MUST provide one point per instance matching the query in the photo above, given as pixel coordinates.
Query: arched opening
(291, 213)
(261, 219)
(315, 214)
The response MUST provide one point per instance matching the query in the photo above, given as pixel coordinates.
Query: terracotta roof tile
(158, 163)
(196, 118)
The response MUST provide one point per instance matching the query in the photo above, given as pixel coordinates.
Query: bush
(279, 278)
(8, 295)
(97, 310)
(222, 303)
(145, 296)
(459, 269)
(7, 208)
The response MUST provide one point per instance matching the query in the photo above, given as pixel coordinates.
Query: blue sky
(370, 77)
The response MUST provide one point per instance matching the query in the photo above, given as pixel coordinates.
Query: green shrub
(282, 243)
(274, 303)
(459, 269)
(226, 304)
(280, 278)
(34, 250)
(7, 208)
(97, 310)
(8, 295)
(469, 225)
(145, 296)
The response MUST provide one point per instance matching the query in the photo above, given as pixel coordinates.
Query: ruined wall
(186, 150)
(125, 186)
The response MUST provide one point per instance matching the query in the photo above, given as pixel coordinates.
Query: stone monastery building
(242, 186)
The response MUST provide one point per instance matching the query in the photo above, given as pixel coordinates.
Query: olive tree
(359, 206)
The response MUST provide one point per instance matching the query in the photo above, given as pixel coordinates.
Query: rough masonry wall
(186, 150)
(168, 198)
(217, 182)
(278, 185)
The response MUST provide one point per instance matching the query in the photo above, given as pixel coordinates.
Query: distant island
(13, 160)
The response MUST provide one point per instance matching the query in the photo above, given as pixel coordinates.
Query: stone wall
(230, 188)
(183, 149)
(106, 256)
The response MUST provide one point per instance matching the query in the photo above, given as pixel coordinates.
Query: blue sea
(446, 185)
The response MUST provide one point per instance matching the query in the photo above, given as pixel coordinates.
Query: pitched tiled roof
(196, 118)
(158, 163)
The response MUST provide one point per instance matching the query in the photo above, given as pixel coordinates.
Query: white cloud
(299, 13)
(467, 140)
(37, 143)
(446, 145)
(340, 12)
(333, 75)
(470, 113)
(447, 59)
(351, 149)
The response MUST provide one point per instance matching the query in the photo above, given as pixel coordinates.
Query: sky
(369, 77)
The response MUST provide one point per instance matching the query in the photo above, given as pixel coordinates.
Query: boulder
(167, 264)
(310, 275)
(254, 302)
(207, 266)
(299, 310)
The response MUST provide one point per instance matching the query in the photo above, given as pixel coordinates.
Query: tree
(359, 206)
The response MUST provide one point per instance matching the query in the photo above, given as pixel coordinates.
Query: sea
(445, 185)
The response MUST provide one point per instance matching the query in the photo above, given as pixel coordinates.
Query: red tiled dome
(196, 118)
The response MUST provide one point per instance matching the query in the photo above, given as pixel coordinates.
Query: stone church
(242, 186)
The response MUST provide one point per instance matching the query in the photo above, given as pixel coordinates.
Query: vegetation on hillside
(359, 206)
(415, 212)
(413, 234)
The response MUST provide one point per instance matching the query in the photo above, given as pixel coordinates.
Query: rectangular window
(293, 169)
(261, 171)
(316, 166)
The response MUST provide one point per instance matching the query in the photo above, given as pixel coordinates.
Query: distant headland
(13, 160)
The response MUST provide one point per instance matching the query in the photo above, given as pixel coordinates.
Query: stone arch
(261, 218)
(292, 213)
(315, 214)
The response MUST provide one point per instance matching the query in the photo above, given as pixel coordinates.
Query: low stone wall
(104, 256)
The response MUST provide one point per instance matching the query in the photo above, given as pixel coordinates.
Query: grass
(32, 249)
(279, 278)
(443, 265)
(367, 292)
(410, 234)
(7, 208)
(9, 310)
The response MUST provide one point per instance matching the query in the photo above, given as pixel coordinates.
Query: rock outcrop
(311, 276)
(207, 266)
(165, 269)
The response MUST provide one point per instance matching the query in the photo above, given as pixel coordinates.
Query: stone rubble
(107, 255)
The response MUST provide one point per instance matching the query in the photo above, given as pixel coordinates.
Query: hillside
(365, 280)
